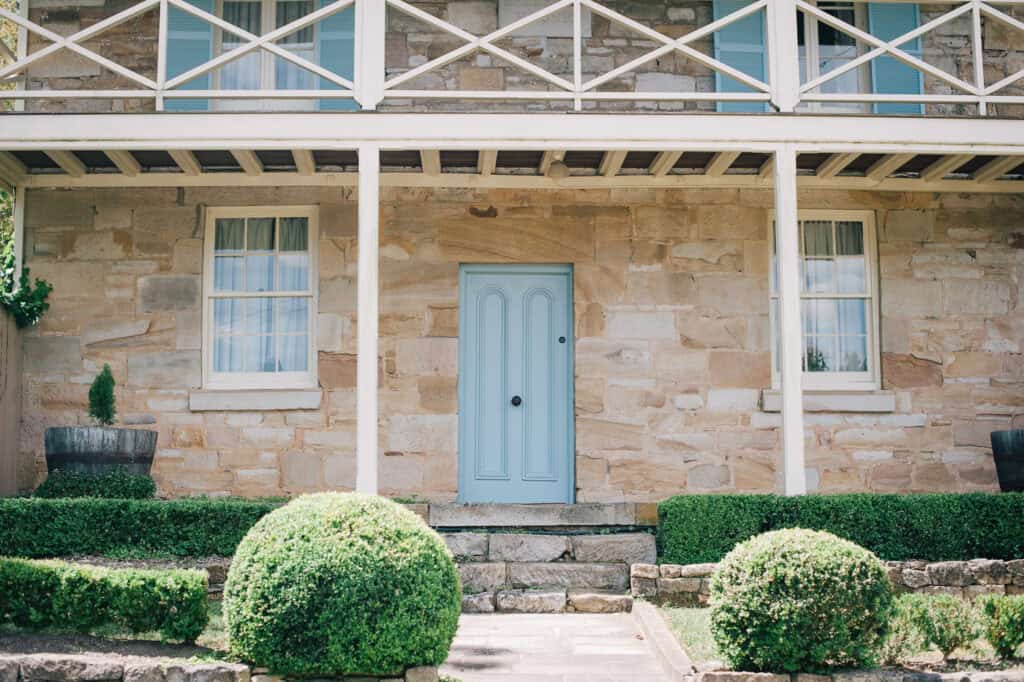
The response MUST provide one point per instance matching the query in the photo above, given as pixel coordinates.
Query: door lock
(516, 401)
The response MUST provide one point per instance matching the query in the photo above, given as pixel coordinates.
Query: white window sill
(251, 400)
(835, 401)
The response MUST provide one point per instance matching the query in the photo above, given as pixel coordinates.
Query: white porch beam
(486, 162)
(640, 132)
(305, 164)
(367, 307)
(834, 165)
(19, 232)
(430, 159)
(12, 170)
(68, 162)
(787, 246)
(944, 166)
(663, 163)
(611, 163)
(187, 161)
(248, 160)
(125, 162)
(886, 166)
(720, 163)
(548, 158)
(997, 168)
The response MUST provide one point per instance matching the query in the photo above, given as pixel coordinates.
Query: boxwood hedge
(38, 528)
(116, 484)
(40, 594)
(931, 527)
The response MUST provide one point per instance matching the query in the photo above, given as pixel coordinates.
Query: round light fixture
(558, 170)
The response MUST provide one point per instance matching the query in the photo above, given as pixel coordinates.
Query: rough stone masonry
(672, 337)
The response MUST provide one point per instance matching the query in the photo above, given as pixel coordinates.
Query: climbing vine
(25, 301)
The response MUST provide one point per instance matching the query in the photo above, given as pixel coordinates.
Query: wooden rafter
(187, 161)
(997, 168)
(548, 158)
(611, 163)
(248, 160)
(887, 165)
(720, 163)
(12, 170)
(69, 163)
(663, 163)
(944, 166)
(305, 164)
(125, 162)
(834, 165)
(487, 161)
(430, 159)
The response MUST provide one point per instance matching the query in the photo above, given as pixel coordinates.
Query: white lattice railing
(370, 85)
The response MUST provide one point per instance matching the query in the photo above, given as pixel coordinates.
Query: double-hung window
(839, 306)
(260, 297)
(824, 49)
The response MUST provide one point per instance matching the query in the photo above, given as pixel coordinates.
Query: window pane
(849, 239)
(821, 354)
(230, 234)
(259, 273)
(227, 353)
(853, 317)
(227, 316)
(819, 316)
(261, 234)
(853, 354)
(259, 353)
(227, 273)
(259, 316)
(292, 315)
(819, 276)
(851, 275)
(294, 275)
(294, 234)
(288, 11)
(293, 352)
(818, 238)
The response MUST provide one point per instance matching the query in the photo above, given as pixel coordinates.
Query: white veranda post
(367, 319)
(787, 248)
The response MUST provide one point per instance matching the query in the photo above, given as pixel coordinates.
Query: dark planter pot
(1008, 450)
(99, 449)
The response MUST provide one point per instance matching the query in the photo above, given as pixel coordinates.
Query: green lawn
(692, 628)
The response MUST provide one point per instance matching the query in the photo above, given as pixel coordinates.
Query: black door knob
(516, 401)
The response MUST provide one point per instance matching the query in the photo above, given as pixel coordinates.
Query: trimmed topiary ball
(342, 584)
(799, 601)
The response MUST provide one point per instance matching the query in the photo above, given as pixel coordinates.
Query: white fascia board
(712, 132)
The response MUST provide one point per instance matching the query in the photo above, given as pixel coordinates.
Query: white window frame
(259, 380)
(834, 381)
(813, 49)
(268, 76)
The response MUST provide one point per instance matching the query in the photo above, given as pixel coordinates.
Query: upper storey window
(823, 49)
(192, 42)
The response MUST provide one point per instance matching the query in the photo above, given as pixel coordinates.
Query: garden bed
(691, 627)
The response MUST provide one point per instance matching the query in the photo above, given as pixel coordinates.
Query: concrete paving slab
(569, 647)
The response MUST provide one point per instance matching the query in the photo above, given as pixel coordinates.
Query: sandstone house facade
(496, 251)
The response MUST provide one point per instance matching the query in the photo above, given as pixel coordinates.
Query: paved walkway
(551, 648)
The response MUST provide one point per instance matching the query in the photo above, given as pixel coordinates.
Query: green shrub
(37, 528)
(1003, 619)
(101, 398)
(41, 594)
(931, 527)
(115, 484)
(799, 601)
(335, 583)
(904, 638)
(946, 622)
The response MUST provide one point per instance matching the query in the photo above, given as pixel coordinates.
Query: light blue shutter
(888, 74)
(189, 44)
(336, 45)
(741, 46)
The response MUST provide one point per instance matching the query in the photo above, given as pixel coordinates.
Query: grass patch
(692, 628)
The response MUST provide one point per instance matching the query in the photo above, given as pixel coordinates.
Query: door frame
(566, 269)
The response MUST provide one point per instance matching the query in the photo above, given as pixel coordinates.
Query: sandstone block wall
(672, 337)
(412, 42)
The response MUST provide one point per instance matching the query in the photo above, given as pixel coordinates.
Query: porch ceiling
(510, 168)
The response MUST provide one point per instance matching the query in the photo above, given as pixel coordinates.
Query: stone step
(619, 514)
(547, 601)
(627, 548)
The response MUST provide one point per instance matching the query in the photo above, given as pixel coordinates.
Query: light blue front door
(515, 383)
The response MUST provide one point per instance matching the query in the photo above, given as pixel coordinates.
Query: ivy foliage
(25, 301)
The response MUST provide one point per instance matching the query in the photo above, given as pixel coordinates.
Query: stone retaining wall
(672, 337)
(860, 676)
(691, 584)
(116, 668)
